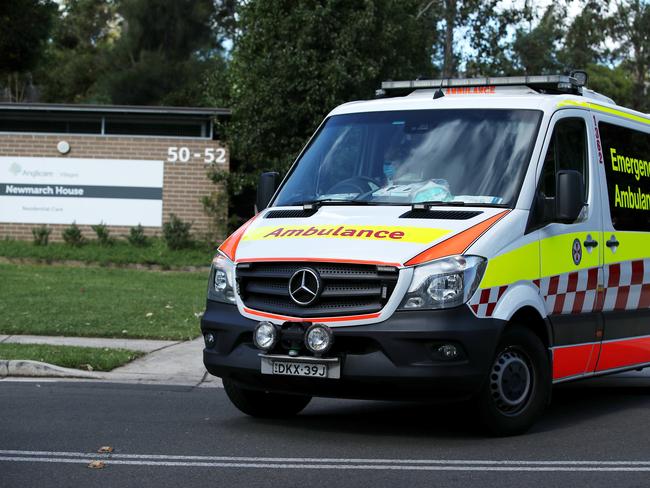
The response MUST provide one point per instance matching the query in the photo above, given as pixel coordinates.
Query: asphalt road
(594, 434)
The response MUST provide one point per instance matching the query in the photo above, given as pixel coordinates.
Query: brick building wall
(184, 184)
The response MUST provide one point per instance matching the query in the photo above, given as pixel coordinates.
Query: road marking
(324, 463)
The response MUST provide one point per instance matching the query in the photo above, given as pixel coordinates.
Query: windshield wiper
(440, 203)
(314, 204)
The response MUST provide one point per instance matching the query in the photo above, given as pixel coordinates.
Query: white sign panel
(85, 191)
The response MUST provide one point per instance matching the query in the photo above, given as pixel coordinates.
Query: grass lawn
(100, 302)
(99, 359)
(120, 253)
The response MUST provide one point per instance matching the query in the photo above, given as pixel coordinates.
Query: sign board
(86, 191)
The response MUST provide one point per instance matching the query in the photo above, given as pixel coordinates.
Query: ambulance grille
(346, 289)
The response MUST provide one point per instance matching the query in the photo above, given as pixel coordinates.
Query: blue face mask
(389, 169)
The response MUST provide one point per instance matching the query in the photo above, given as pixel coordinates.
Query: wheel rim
(511, 381)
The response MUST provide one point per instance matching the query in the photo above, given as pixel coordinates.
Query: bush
(41, 235)
(177, 233)
(72, 235)
(103, 234)
(136, 236)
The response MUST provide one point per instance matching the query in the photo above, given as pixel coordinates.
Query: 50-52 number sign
(183, 154)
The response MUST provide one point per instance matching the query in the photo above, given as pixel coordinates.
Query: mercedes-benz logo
(304, 286)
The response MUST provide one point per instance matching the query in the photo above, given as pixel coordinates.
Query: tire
(518, 385)
(262, 404)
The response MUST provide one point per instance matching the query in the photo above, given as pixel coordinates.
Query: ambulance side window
(566, 151)
(626, 155)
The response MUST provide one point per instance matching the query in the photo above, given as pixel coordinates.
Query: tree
(584, 42)
(83, 35)
(631, 31)
(24, 28)
(536, 49)
(295, 61)
(162, 52)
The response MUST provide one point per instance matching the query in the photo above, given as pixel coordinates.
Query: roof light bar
(496, 81)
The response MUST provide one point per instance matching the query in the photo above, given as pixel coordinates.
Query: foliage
(537, 50)
(83, 36)
(177, 233)
(630, 28)
(41, 235)
(295, 61)
(103, 234)
(137, 236)
(72, 236)
(87, 358)
(101, 302)
(24, 28)
(121, 253)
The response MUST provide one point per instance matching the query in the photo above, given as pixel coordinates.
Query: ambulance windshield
(470, 156)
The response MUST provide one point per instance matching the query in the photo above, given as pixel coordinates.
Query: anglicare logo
(15, 169)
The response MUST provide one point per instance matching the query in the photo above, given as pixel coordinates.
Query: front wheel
(264, 404)
(518, 385)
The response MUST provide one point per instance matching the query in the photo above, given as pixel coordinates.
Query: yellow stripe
(510, 267)
(607, 110)
(524, 263)
(362, 232)
(633, 246)
(558, 255)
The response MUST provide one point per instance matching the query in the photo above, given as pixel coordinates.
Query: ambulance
(462, 239)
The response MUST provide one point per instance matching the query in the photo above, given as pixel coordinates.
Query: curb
(17, 367)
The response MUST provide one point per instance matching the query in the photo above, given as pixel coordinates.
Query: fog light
(209, 339)
(448, 351)
(319, 339)
(265, 336)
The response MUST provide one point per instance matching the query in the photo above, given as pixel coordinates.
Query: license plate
(300, 369)
(307, 366)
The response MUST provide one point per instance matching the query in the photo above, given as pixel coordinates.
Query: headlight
(265, 336)
(221, 287)
(444, 283)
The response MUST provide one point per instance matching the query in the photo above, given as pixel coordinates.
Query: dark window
(46, 124)
(566, 151)
(627, 165)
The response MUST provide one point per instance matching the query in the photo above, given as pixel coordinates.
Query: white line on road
(376, 467)
(323, 463)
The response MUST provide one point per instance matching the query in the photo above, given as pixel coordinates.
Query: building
(120, 165)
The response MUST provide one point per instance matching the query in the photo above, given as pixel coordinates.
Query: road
(594, 434)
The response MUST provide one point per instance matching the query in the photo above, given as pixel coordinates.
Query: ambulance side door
(626, 200)
(571, 254)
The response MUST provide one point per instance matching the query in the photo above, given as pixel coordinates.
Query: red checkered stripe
(627, 285)
(570, 293)
(484, 301)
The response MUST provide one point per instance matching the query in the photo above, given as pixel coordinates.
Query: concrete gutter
(22, 367)
(175, 363)
(144, 345)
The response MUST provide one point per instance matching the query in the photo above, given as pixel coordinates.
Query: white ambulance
(475, 239)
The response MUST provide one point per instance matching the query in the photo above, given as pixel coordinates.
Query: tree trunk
(448, 69)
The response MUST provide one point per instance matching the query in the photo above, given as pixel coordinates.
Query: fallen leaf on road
(105, 449)
(97, 465)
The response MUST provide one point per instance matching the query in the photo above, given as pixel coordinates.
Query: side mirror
(570, 196)
(266, 187)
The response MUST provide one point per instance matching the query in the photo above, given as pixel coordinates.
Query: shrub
(177, 233)
(41, 235)
(72, 235)
(103, 234)
(136, 236)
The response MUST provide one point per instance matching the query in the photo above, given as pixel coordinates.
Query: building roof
(121, 109)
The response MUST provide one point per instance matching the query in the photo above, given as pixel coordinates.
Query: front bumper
(394, 359)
